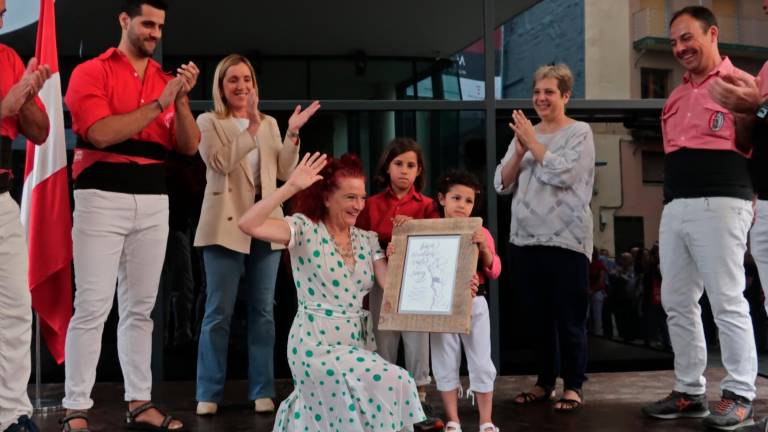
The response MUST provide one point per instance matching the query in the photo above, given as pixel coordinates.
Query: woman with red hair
(340, 383)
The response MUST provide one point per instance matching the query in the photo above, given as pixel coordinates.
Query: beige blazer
(230, 190)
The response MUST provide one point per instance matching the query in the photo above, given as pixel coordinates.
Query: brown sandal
(571, 405)
(532, 398)
(132, 424)
(64, 421)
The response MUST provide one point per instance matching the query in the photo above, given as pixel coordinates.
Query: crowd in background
(625, 299)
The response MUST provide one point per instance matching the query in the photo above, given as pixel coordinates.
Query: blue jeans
(223, 268)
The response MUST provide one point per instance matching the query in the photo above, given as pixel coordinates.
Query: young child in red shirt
(401, 173)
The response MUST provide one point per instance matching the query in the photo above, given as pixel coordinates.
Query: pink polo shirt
(691, 119)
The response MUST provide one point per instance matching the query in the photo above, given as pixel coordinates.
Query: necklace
(344, 249)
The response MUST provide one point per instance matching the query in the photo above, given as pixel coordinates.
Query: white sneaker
(452, 426)
(206, 408)
(264, 406)
(488, 427)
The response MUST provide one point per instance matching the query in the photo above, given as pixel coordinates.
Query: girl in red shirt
(401, 173)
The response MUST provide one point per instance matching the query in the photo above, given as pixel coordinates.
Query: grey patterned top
(550, 203)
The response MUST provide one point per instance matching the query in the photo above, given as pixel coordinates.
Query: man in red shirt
(703, 232)
(127, 114)
(20, 112)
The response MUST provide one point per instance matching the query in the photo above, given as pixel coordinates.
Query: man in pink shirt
(747, 99)
(703, 232)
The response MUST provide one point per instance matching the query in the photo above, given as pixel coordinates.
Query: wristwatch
(762, 112)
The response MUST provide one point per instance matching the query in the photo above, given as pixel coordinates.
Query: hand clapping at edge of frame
(24, 91)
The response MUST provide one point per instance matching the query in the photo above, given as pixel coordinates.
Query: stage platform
(613, 402)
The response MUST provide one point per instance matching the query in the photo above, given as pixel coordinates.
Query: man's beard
(138, 45)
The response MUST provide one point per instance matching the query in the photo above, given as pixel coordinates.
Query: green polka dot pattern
(340, 383)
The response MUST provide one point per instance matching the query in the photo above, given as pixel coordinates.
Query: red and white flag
(45, 209)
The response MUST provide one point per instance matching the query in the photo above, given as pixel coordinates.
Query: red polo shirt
(11, 71)
(692, 119)
(381, 208)
(109, 85)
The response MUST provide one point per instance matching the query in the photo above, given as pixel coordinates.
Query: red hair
(311, 201)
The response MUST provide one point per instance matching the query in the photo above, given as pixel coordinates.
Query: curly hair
(457, 177)
(311, 201)
(395, 148)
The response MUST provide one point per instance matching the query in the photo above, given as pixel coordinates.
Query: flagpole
(42, 406)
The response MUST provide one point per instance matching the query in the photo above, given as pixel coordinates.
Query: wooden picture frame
(429, 275)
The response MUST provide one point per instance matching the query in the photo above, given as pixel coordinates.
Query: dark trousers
(554, 286)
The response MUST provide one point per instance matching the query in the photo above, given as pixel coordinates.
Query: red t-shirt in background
(381, 209)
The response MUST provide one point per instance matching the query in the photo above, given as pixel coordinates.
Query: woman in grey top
(549, 169)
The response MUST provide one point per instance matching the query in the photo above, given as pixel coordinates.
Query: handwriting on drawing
(428, 279)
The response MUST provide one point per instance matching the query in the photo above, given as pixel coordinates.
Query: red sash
(84, 158)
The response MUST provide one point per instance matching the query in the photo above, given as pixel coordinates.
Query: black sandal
(132, 424)
(532, 398)
(571, 405)
(64, 421)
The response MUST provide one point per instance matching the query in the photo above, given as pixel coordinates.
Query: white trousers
(758, 240)
(15, 316)
(702, 242)
(446, 353)
(116, 237)
(415, 344)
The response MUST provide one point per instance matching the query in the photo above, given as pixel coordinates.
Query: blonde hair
(559, 72)
(220, 107)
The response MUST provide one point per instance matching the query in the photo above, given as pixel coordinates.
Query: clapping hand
(170, 92)
(738, 92)
(523, 129)
(27, 88)
(307, 171)
(299, 118)
(252, 109)
(188, 74)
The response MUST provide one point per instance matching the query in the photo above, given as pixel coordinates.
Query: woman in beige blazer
(244, 155)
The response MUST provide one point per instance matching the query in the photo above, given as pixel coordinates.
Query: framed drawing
(428, 276)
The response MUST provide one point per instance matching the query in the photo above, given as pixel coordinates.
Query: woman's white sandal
(488, 427)
(452, 426)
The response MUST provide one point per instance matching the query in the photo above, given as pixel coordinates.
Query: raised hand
(523, 129)
(307, 171)
(738, 92)
(299, 118)
(188, 74)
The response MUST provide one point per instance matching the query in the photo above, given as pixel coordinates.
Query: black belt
(145, 149)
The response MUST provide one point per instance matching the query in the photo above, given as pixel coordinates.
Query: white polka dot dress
(340, 384)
